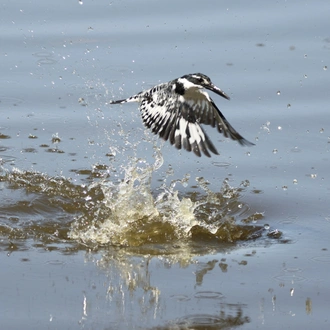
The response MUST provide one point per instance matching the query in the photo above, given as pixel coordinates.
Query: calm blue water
(61, 63)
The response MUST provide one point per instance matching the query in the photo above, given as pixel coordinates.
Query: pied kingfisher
(176, 110)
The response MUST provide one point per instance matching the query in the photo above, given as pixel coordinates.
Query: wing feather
(175, 121)
(207, 113)
(178, 118)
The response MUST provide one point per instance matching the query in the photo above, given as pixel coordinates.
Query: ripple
(46, 61)
(55, 262)
(289, 278)
(289, 220)
(180, 297)
(208, 295)
(221, 164)
(42, 54)
(322, 259)
(46, 58)
(6, 159)
(200, 320)
(7, 101)
(293, 270)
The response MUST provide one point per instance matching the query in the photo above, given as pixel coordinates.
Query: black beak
(218, 91)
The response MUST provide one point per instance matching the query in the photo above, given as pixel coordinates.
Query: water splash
(130, 214)
(110, 211)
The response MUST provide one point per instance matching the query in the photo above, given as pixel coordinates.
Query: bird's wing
(207, 113)
(226, 129)
(175, 121)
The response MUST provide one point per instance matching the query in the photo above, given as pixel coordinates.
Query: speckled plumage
(176, 110)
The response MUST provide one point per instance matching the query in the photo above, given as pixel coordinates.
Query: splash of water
(130, 214)
(126, 212)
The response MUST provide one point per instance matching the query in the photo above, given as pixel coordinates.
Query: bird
(176, 110)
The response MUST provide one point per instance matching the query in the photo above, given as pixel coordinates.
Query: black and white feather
(176, 110)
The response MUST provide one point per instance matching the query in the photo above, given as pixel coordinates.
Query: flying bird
(176, 110)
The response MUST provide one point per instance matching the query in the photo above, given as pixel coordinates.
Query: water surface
(103, 225)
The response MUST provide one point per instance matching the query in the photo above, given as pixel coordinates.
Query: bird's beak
(218, 91)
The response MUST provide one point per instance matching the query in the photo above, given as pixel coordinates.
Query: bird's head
(203, 81)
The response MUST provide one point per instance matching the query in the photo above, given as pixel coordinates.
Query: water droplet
(305, 56)
(321, 130)
(295, 181)
(288, 106)
(313, 175)
(285, 187)
(266, 226)
(266, 127)
(245, 183)
(278, 92)
(279, 128)
(248, 153)
(325, 68)
(295, 149)
(275, 151)
(305, 76)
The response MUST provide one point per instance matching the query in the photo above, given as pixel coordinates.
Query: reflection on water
(136, 230)
(134, 291)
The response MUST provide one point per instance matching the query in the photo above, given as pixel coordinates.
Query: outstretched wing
(207, 113)
(177, 116)
(174, 120)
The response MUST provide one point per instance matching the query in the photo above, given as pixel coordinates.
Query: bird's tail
(134, 98)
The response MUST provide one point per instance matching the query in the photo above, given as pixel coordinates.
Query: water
(102, 225)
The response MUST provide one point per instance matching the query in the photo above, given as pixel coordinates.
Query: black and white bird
(176, 110)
